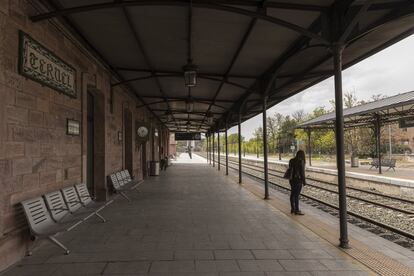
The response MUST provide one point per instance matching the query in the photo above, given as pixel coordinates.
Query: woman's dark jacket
(298, 171)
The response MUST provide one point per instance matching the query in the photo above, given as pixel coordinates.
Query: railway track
(392, 213)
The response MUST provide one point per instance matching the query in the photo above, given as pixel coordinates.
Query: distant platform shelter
(398, 108)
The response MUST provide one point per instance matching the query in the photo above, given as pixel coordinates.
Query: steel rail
(350, 188)
(336, 192)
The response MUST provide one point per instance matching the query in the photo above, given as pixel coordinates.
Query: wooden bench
(60, 211)
(390, 163)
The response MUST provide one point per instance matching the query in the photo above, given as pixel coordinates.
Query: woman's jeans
(296, 187)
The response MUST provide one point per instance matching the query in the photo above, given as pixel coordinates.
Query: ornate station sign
(180, 136)
(406, 122)
(41, 65)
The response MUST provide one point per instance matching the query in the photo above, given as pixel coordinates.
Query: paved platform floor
(191, 221)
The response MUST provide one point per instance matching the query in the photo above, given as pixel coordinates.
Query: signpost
(183, 136)
(38, 63)
(406, 122)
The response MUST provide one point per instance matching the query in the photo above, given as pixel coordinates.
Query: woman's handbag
(288, 173)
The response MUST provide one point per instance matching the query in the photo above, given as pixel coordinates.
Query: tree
(287, 133)
(258, 136)
(299, 116)
(322, 140)
(233, 140)
(272, 131)
(351, 135)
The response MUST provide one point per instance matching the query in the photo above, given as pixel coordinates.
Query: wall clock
(142, 130)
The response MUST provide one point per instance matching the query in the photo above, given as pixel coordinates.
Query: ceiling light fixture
(210, 118)
(188, 126)
(190, 74)
(189, 105)
(169, 116)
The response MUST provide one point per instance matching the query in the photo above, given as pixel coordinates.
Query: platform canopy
(243, 49)
(388, 110)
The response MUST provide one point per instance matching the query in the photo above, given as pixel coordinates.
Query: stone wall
(36, 154)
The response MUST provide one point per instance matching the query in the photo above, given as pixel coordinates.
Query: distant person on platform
(189, 152)
(296, 180)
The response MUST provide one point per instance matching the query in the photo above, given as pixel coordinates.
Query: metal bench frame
(60, 211)
(128, 181)
(41, 224)
(390, 163)
(122, 182)
(74, 204)
(87, 200)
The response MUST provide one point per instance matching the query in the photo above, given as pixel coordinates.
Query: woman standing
(297, 180)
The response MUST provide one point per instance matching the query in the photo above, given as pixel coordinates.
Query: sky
(388, 72)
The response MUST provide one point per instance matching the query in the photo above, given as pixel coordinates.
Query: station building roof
(389, 109)
(242, 48)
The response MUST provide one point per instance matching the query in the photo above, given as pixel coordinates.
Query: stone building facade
(36, 153)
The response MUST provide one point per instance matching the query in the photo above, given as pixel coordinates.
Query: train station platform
(401, 177)
(402, 173)
(192, 220)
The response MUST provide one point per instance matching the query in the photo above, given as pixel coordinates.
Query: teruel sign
(180, 136)
(406, 122)
(41, 65)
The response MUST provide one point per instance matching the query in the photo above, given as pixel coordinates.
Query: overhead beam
(216, 76)
(169, 109)
(241, 3)
(74, 29)
(119, 4)
(296, 46)
(143, 51)
(178, 111)
(233, 60)
(156, 76)
(392, 14)
(402, 9)
(355, 20)
(207, 74)
(197, 99)
(195, 3)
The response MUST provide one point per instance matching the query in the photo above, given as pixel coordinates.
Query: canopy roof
(243, 48)
(389, 109)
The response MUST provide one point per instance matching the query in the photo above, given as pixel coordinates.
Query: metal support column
(309, 131)
(279, 144)
(378, 141)
(214, 147)
(227, 151)
(389, 142)
(207, 149)
(218, 150)
(240, 153)
(265, 165)
(337, 50)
